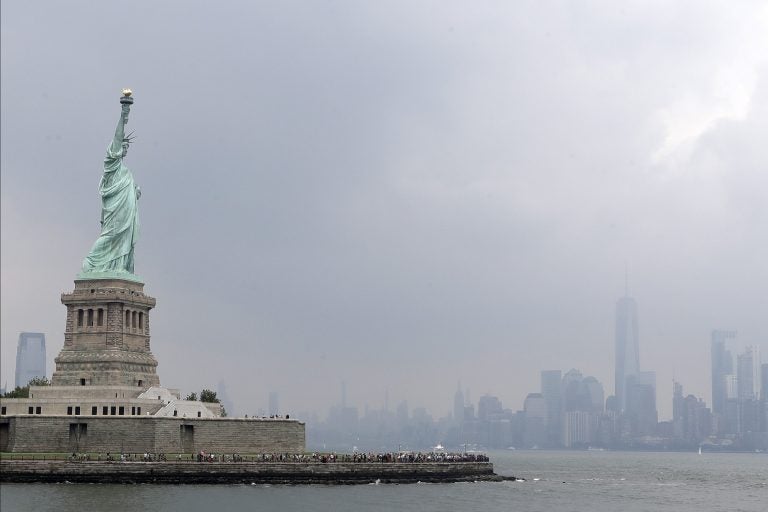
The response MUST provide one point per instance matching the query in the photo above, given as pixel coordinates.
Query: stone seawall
(337, 473)
(154, 434)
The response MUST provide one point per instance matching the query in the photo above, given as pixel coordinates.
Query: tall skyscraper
(722, 366)
(691, 418)
(579, 428)
(641, 402)
(678, 402)
(534, 431)
(764, 395)
(551, 387)
(748, 383)
(595, 394)
(458, 405)
(748, 374)
(30, 357)
(627, 347)
(581, 393)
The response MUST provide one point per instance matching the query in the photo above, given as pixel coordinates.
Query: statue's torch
(126, 100)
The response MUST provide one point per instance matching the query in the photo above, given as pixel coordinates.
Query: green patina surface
(113, 250)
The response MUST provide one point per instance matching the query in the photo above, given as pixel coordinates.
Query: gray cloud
(397, 195)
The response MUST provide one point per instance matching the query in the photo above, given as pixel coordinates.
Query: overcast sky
(397, 194)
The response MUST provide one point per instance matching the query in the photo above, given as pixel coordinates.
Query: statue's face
(125, 149)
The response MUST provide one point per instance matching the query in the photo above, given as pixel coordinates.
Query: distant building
(500, 433)
(344, 420)
(572, 395)
(551, 390)
(748, 391)
(535, 406)
(748, 374)
(722, 366)
(678, 410)
(764, 397)
(579, 428)
(583, 401)
(595, 394)
(274, 405)
(458, 405)
(487, 407)
(750, 420)
(691, 419)
(641, 403)
(581, 393)
(731, 417)
(535, 433)
(30, 357)
(626, 347)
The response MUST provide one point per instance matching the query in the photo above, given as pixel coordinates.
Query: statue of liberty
(112, 253)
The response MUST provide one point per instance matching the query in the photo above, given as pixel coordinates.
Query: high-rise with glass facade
(748, 374)
(722, 369)
(30, 357)
(627, 347)
(551, 386)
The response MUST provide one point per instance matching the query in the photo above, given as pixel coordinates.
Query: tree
(19, 392)
(23, 391)
(192, 397)
(39, 381)
(209, 396)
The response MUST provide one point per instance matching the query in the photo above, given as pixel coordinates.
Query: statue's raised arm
(112, 253)
(119, 146)
(116, 148)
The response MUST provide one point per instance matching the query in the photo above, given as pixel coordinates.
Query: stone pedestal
(106, 341)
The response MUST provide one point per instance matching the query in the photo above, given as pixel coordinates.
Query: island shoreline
(279, 473)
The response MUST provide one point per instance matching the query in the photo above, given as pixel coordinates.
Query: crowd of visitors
(388, 457)
(122, 457)
(316, 457)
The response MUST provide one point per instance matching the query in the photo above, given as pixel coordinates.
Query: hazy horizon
(398, 195)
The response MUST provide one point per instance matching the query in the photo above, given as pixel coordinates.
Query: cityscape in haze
(573, 411)
(569, 410)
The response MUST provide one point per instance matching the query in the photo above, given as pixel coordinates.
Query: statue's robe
(113, 250)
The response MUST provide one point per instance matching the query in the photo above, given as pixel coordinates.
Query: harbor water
(592, 481)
